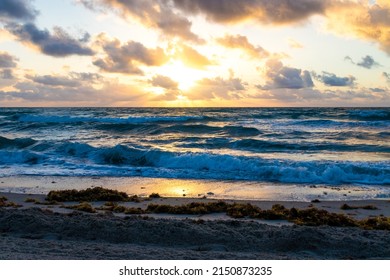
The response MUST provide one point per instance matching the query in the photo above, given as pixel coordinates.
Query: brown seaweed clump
(5, 203)
(308, 217)
(381, 223)
(193, 208)
(365, 207)
(154, 195)
(83, 206)
(90, 194)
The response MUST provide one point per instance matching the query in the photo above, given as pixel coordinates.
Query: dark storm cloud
(273, 12)
(280, 76)
(332, 80)
(126, 58)
(155, 14)
(57, 44)
(16, 10)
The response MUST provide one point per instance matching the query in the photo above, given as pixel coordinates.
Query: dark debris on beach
(306, 217)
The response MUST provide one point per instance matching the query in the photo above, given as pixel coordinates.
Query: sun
(185, 77)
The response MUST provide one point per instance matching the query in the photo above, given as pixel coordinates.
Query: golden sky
(194, 53)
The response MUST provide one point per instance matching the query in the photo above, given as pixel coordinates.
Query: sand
(50, 232)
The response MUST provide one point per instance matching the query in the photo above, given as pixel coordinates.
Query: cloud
(60, 91)
(55, 81)
(279, 76)
(315, 97)
(192, 58)
(16, 10)
(57, 44)
(217, 88)
(293, 96)
(154, 14)
(332, 80)
(367, 62)
(348, 58)
(7, 60)
(7, 64)
(377, 90)
(171, 90)
(164, 82)
(386, 76)
(294, 44)
(6, 74)
(241, 42)
(264, 11)
(128, 57)
(71, 80)
(361, 19)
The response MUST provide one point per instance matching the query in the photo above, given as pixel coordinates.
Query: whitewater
(300, 146)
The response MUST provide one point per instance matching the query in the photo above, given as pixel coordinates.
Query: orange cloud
(359, 18)
(270, 12)
(192, 58)
(154, 14)
(241, 42)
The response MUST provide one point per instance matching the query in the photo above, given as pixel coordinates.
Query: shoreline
(194, 188)
(36, 231)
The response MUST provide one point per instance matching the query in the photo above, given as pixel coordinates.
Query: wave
(17, 143)
(128, 120)
(157, 129)
(370, 115)
(269, 146)
(121, 160)
(235, 131)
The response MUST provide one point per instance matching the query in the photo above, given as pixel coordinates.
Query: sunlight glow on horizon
(109, 52)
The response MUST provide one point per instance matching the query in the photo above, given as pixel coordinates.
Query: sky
(179, 53)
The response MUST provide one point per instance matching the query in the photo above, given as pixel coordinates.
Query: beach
(200, 183)
(37, 231)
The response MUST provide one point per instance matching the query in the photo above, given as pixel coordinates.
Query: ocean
(300, 147)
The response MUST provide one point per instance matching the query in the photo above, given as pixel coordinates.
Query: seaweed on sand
(83, 206)
(5, 203)
(308, 217)
(365, 207)
(193, 208)
(90, 194)
(155, 195)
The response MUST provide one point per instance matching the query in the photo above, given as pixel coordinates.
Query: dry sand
(50, 232)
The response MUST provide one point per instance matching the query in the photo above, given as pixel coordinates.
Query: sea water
(300, 147)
